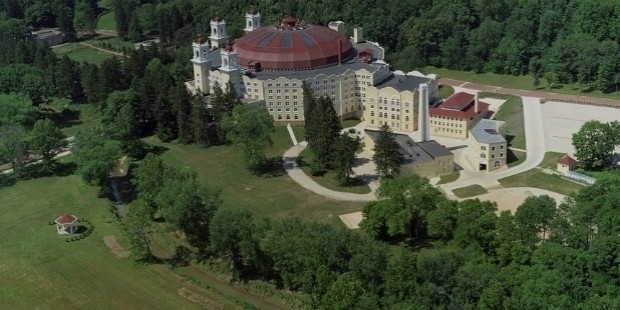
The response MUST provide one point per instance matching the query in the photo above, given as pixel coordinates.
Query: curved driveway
(292, 168)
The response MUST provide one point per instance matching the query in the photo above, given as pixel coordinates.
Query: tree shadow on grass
(509, 139)
(273, 167)
(41, 170)
(67, 118)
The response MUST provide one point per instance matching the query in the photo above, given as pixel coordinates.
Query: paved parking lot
(562, 119)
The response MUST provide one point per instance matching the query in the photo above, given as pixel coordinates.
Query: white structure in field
(269, 63)
(66, 224)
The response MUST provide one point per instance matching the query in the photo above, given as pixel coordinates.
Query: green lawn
(82, 53)
(447, 178)
(106, 21)
(445, 91)
(510, 81)
(539, 179)
(350, 122)
(511, 112)
(515, 158)
(551, 160)
(38, 269)
(116, 43)
(469, 191)
(273, 195)
(104, 4)
(77, 117)
(328, 180)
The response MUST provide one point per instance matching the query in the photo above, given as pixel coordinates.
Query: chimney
(423, 122)
(476, 103)
(358, 35)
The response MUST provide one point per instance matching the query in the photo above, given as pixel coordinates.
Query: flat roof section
(486, 131)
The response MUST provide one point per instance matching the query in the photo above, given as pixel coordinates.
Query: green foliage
(322, 128)
(476, 223)
(16, 110)
(14, 146)
(344, 157)
(401, 209)
(46, 140)
(387, 156)
(595, 143)
(249, 127)
(95, 156)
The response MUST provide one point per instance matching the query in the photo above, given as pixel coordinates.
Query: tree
(443, 220)
(95, 156)
(325, 132)
(249, 128)
(232, 237)
(344, 157)
(387, 157)
(401, 209)
(476, 225)
(136, 226)
(16, 110)
(149, 178)
(46, 140)
(343, 293)
(118, 119)
(533, 218)
(14, 146)
(594, 144)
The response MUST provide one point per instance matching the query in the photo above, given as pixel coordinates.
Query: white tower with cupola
(230, 59)
(252, 20)
(202, 65)
(218, 36)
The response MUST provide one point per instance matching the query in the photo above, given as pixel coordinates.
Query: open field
(511, 112)
(77, 117)
(272, 194)
(328, 180)
(447, 178)
(82, 53)
(445, 91)
(469, 191)
(115, 43)
(519, 82)
(539, 179)
(551, 160)
(38, 269)
(106, 21)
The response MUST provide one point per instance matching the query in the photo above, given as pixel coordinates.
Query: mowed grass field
(519, 82)
(273, 195)
(82, 53)
(106, 21)
(511, 112)
(38, 269)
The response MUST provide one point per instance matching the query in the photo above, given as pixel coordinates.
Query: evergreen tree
(344, 157)
(327, 131)
(387, 157)
(249, 127)
(309, 103)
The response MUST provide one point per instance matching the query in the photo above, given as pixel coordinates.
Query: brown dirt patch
(199, 299)
(112, 244)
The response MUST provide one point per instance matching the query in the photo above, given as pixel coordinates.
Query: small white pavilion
(66, 224)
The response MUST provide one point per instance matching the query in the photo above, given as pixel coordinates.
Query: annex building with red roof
(269, 63)
(456, 115)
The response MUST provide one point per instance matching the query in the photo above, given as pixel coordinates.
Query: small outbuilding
(566, 164)
(66, 224)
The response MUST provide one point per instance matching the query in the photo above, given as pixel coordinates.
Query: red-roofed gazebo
(66, 224)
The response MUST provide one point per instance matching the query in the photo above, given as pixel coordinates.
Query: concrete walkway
(294, 171)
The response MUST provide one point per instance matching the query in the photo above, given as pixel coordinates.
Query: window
(501, 155)
(483, 148)
(492, 148)
(501, 147)
(497, 163)
(483, 155)
(296, 116)
(492, 155)
(288, 116)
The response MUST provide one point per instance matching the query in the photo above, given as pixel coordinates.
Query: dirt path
(117, 249)
(102, 49)
(533, 93)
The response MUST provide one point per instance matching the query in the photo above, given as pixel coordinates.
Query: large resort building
(269, 63)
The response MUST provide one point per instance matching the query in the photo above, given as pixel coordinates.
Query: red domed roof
(293, 45)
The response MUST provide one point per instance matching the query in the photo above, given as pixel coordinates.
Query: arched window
(288, 116)
(213, 31)
(197, 54)
(279, 116)
(497, 163)
(249, 24)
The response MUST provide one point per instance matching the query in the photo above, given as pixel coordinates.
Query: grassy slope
(447, 178)
(539, 179)
(106, 21)
(445, 91)
(551, 160)
(328, 180)
(268, 195)
(469, 191)
(510, 81)
(82, 53)
(511, 112)
(39, 269)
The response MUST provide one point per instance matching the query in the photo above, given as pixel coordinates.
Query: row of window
(484, 147)
(449, 124)
(285, 109)
(294, 84)
(286, 91)
(287, 116)
(484, 155)
(271, 103)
